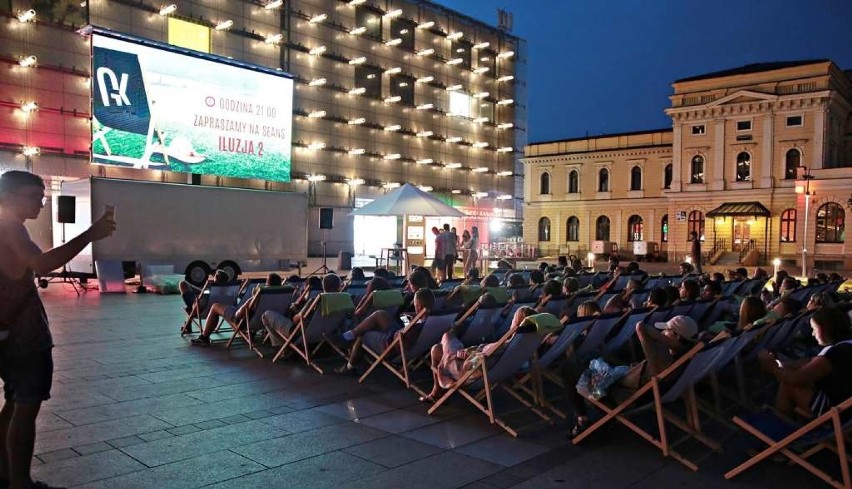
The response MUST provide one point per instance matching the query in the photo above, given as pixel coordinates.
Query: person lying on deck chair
(388, 325)
(231, 313)
(813, 385)
(189, 293)
(451, 360)
(278, 326)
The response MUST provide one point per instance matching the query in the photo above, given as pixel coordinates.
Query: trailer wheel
(231, 268)
(197, 273)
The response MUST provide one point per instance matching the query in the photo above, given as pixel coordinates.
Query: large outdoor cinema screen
(160, 109)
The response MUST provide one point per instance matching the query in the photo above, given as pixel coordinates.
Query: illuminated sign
(159, 109)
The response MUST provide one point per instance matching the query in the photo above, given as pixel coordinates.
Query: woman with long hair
(471, 247)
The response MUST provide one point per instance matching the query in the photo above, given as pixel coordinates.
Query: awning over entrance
(740, 209)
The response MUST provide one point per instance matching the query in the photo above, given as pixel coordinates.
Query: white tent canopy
(408, 200)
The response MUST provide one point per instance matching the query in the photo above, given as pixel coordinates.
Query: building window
(544, 229)
(791, 163)
(743, 167)
(664, 229)
(636, 178)
(602, 229)
(484, 109)
(573, 229)
(370, 79)
(698, 130)
(788, 226)
(830, 223)
(461, 49)
(544, 184)
(403, 29)
(668, 173)
(487, 61)
(695, 223)
(574, 182)
(603, 180)
(794, 121)
(743, 125)
(370, 20)
(402, 86)
(697, 169)
(635, 228)
(460, 104)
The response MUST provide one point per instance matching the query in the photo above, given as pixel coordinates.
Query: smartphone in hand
(110, 210)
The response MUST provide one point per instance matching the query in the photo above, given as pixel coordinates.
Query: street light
(807, 177)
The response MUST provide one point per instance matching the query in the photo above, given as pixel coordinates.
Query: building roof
(753, 68)
(599, 136)
(740, 209)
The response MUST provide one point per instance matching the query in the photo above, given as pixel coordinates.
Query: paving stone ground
(134, 405)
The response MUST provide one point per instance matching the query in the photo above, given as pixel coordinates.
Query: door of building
(742, 234)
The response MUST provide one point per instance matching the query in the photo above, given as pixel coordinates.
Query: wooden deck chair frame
(243, 327)
(486, 392)
(396, 346)
(298, 331)
(836, 443)
(194, 318)
(618, 412)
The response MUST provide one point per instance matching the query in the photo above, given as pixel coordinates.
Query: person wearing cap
(662, 343)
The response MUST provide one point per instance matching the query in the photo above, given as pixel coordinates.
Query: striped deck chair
(801, 442)
(476, 326)
(401, 360)
(322, 319)
(498, 370)
(276, 299)
(213, 294)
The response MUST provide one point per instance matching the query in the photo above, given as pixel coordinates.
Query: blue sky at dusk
(601, 67)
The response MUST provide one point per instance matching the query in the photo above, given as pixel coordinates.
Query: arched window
(743, 167)
(573, 227)
(544, 187)
(574, 182)
(830, 223)
(544, 229)
(635, 228)
(667, 176)
(791, 163)
(636, 178)
(697, 169)
(695, 222)
(602, 229)
(603, 180)
(664, 229)
(788, 226)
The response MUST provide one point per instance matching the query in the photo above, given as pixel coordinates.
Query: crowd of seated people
(810, 381)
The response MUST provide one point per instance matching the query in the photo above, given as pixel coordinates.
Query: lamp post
(807, 177)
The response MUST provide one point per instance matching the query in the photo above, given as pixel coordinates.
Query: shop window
(697, 169)
(635, 228)
(830, 223)
(573, 229)
(544, 229)
(788, 226)
(602, 228)
(791, 164)
(743, 167)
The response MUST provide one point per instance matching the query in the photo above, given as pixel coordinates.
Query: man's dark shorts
(27, 377)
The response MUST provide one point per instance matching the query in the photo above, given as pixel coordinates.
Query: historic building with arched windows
(758, 163)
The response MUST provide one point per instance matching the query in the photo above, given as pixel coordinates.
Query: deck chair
(598, 332)
(401, 360)
(519, 350)
(385, 300)
(450, 284)
(215, 294)
(477, 324)
(577, 299)
(801, 442)
(357, 291)
(276, 299)
(802, 294)
(602, 300)
(508, 313)
(656, 282)
(682, 310)
(730, 287)
(323, 318)
(627, 331)
(585, 279)
(700, 308)
(556, 306)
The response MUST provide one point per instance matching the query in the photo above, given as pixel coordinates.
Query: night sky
(597, 67)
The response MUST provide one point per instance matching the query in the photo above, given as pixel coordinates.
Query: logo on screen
(118, 88)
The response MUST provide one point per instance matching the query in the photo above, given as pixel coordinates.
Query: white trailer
(194, 228)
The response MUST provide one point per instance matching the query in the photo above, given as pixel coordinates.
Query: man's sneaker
(201, 341)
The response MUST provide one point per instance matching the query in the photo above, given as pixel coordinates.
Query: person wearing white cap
(662, 343)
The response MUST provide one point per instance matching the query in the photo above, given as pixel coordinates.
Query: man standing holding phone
(26, 361)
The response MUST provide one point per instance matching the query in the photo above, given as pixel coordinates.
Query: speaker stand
(324, 268)
(65, 276)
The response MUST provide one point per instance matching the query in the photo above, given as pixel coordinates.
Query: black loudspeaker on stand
(326, 221)
(66, 213)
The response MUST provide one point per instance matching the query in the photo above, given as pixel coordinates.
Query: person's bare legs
(380, 320)
(435, 354)
(5, 419)
(20, 441)
(213, 318)
(790, 397)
